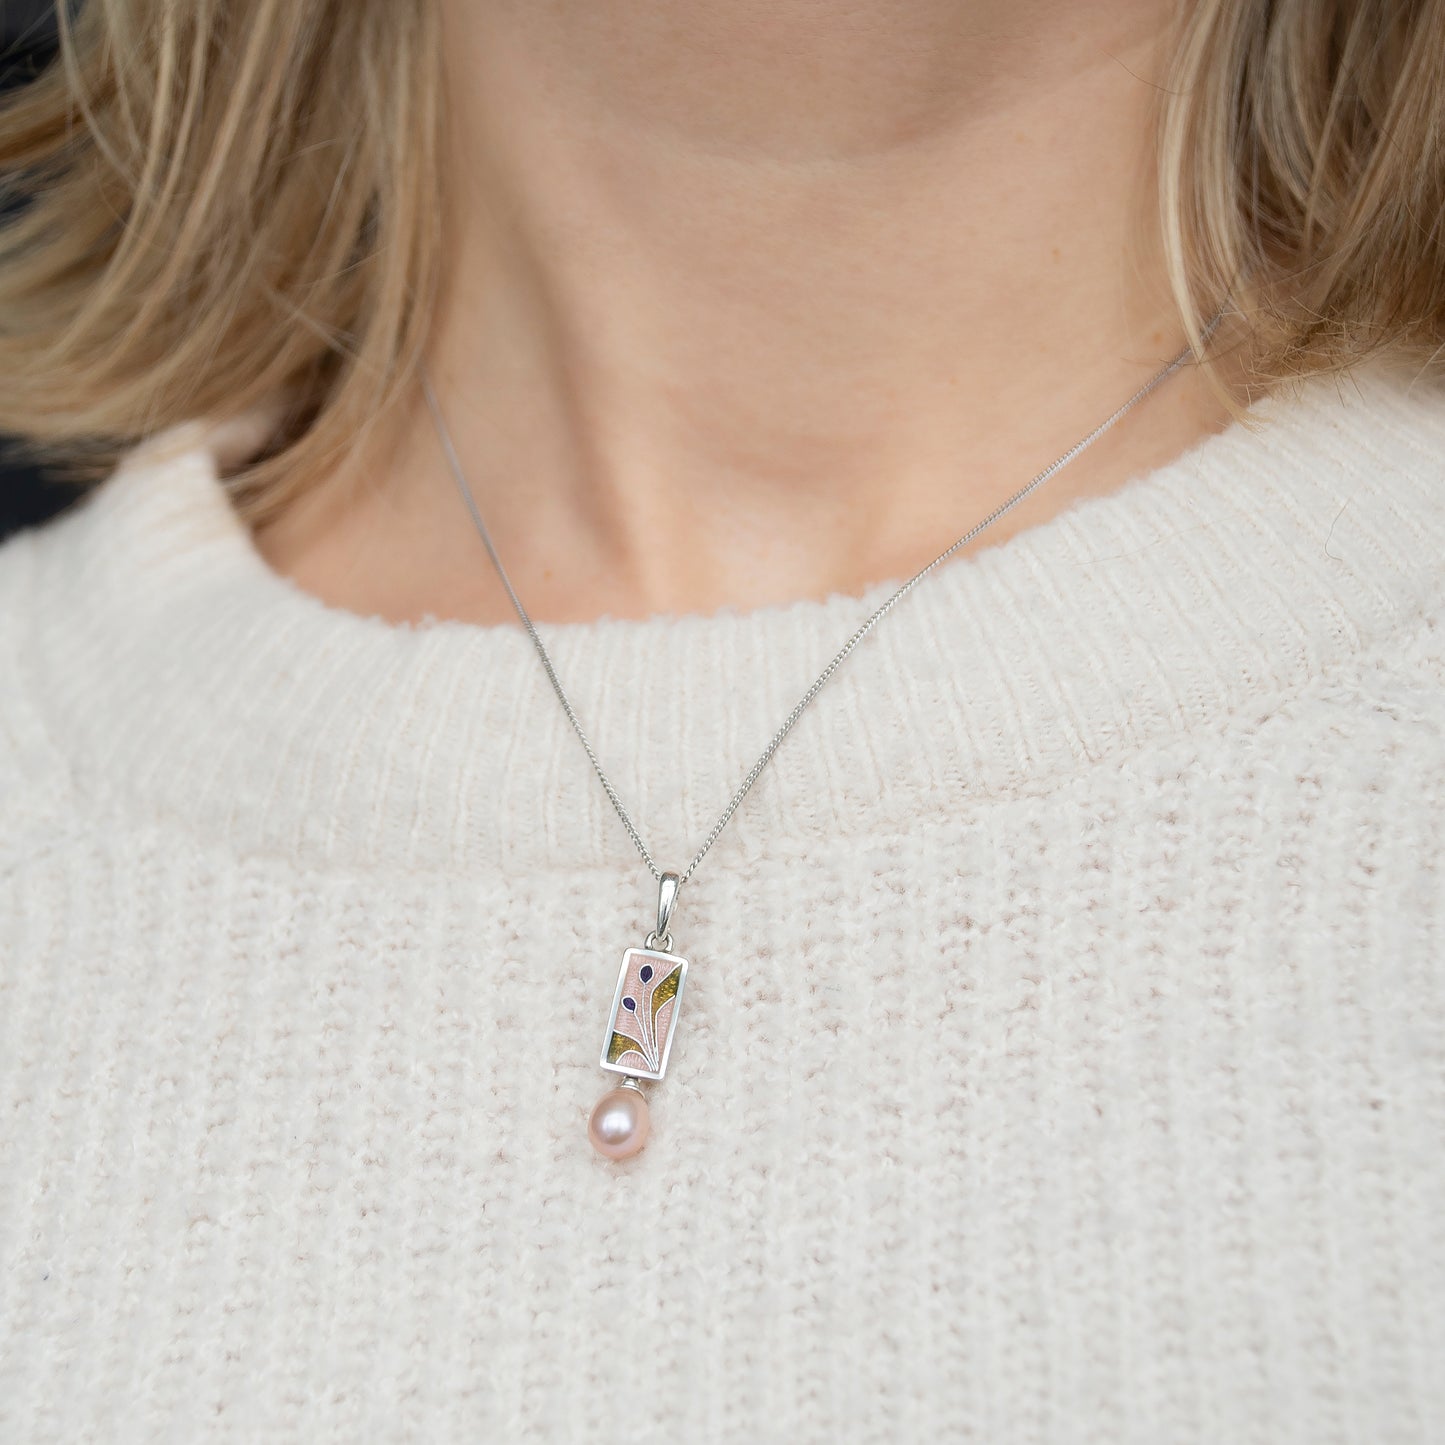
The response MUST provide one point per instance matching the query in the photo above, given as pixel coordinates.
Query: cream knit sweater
(1064, 1050)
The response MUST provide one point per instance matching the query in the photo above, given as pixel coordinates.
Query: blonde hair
(229, 201)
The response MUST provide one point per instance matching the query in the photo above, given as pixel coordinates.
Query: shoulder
(1389, 529)
(33, 778)
(62, 587)
(1362, 458)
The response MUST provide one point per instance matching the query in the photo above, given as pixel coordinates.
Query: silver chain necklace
(640, 1026)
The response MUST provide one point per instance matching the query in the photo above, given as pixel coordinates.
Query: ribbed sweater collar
(177, 675)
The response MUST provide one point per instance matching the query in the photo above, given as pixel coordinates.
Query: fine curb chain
(454, 463)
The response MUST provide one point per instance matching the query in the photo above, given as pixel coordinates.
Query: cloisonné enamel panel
(644, 1011)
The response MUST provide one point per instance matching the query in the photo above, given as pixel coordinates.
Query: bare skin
(750, 301)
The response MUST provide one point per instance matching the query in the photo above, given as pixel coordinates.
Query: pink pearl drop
(618, 1126)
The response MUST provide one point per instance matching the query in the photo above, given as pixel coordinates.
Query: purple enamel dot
(645, 973)
(630, 1004)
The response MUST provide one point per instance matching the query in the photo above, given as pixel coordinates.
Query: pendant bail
(667, 887)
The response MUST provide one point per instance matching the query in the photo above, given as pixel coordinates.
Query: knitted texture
(1063, 1055)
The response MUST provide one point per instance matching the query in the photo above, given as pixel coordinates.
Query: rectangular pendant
(644, 1010)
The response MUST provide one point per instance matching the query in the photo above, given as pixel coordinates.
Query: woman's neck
(755, 300)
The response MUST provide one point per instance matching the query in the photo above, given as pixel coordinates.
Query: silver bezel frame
(627, 956)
